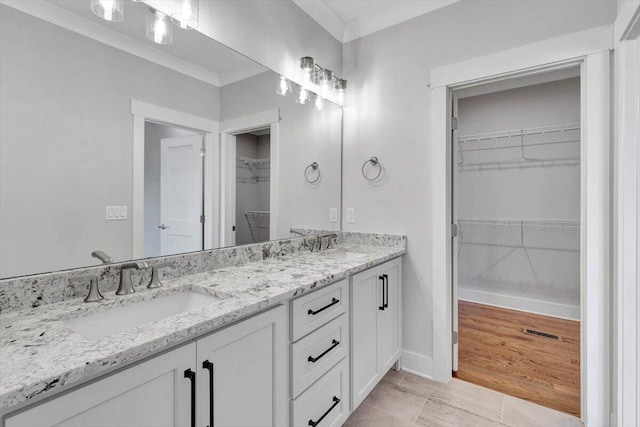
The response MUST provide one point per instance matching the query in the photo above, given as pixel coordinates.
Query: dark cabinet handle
(334, 344)
(334, 301)
(209, 366)
(382, 279)
(335, 403)
(192, 377)
(386, 285)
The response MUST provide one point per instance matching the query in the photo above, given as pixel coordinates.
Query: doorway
(173, 190)
(516, 173)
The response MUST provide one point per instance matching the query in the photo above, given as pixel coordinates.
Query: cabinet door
(152, 393)
(389, 319)
(243, 373)
(366, 297)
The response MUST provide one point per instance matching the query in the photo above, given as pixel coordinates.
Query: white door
(181, 194)
(154, 393)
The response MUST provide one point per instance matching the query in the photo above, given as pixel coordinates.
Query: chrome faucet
(94, 294)
(102, 256)
(126, 287)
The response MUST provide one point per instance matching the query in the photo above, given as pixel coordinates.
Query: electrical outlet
(351, 215)
(333, 214)
(116, 213)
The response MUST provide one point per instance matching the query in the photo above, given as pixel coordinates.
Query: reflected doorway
(173, 190)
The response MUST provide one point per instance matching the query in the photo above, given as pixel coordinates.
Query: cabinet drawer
(326, 403)
(313, 310)
(316, 353)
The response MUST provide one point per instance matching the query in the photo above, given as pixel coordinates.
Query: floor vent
(541, 334)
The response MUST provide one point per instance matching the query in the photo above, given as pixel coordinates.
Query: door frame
(627, 211)
(143, 112)
(590, 50)
(228, 131)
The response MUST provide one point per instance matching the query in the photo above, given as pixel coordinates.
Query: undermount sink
(120, 319)
(345, 254)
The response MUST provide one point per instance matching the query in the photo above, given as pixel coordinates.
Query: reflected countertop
(40, 354)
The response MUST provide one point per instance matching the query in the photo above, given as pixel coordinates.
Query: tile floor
(405, 400)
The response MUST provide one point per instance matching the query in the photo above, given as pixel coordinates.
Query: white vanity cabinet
(376, 335)
(152, 393)
(250, 371)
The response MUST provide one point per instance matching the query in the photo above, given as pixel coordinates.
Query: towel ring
(374, 162)
(314, 166)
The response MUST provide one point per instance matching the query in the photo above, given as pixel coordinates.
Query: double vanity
(299, 337)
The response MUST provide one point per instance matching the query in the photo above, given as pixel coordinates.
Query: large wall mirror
(112, 142)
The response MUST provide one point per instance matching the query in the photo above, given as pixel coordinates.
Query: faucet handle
(94, 290)
(155, 274)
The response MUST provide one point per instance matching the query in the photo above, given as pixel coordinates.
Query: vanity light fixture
(109, 10)
(341, 88)
(318, 105)
(187, 17)
(284, 87)
(303, 96)
(159, 28)
(325, 77)
(308, 66)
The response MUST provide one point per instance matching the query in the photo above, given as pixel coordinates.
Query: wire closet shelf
(259, 169)
(559, 235)
(521, 145)
(258, 222)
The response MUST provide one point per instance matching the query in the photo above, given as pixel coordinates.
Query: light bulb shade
(318, 105)
(341, 89)
(307, 63)
(109, 10)
(187, 15)
(159, 28)
(284, 87)
(303, 96)
(325, 77)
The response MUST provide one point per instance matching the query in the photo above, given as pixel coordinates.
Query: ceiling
(348, 20)
(190, 51)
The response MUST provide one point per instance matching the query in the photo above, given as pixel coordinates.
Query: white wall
(304, 136)
(153, 134)
(389, 117)
(65, 107)
(510, 189)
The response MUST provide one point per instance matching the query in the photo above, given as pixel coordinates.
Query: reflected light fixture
(318, 105)
(341, 88)
(159, 28)
(303, 96)
(109, 10)
(284, 86)
(187, 16)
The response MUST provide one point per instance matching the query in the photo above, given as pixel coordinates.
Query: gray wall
(389, 116)
(153, 134)
(65, 107)
(305, 136)
(513, 190)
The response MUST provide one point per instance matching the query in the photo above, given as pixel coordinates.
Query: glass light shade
(325, 77)
(284, 87)
(340, 97)
(159, 28)
(308, 66)
(303, 96)
(188, 14)
(109, 10)
(341, 89)
(319, 103)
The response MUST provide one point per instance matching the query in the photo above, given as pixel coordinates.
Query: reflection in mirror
(112, 142)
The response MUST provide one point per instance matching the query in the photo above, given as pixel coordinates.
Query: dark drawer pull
(334, 301)
(382, 306)
(192, 377)
(335, 403)
(209, 366)
(334, 344)
(386, 285)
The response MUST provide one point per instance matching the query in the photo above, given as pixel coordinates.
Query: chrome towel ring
(373, 161)
(314, 167)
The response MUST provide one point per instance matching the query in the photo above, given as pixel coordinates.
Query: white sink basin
(345, 254)
(120, 319)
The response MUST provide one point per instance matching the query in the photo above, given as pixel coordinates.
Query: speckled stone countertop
(40, 354)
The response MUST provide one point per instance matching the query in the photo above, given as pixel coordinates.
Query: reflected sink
(120, 319)
(345, 254)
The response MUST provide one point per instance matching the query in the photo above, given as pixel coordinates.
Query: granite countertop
(39, 353)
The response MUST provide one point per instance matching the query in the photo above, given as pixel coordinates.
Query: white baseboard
(544, 308)
(416, 364)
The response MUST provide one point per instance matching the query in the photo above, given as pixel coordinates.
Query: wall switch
(351, 215)
(116, 213)
(333, 214)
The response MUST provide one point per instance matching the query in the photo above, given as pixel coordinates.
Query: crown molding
(82, 26)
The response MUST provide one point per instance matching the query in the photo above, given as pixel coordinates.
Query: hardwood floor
(494, 352)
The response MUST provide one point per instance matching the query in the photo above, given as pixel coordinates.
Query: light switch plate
(351, 215)
(116, 213)
(333, 214)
